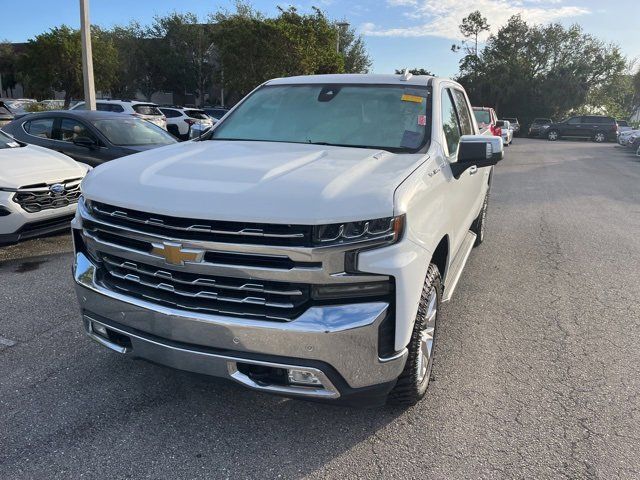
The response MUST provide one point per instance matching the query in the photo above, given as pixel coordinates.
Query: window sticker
(422, 120)
(411, 98)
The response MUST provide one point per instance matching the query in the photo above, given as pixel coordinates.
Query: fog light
(302, 377)
(99, 329)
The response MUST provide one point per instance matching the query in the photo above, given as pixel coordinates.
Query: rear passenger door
(574, 127)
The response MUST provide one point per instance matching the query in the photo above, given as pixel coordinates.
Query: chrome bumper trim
(210, 363)
(342, 336)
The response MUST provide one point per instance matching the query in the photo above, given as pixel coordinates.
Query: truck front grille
(208, 230)
(204, 293)
(35, 198)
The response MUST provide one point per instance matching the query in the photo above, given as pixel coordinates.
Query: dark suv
(596, 127)
(538, 125)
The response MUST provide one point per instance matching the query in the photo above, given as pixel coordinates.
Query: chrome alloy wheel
(599, 137)
(553, 135)
(427, 335)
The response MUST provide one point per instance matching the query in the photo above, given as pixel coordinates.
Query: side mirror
(84, 142)
(197, 130)
(477, 150)
(500, 123)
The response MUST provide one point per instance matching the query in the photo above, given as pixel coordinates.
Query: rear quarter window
(144, 109)
(197, 114)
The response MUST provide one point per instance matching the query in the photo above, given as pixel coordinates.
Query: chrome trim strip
(329, 390)
(250, 232)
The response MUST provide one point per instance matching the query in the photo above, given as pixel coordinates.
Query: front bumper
(17, 224)
(339, 343)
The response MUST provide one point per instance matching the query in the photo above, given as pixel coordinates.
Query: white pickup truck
(302, 247)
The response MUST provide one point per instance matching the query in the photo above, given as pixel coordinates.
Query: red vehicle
(487, 118)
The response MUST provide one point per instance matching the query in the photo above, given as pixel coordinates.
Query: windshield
(129, 132)
(7, 142)
(542, 120)
(482, 116)
(197, 114)
(363, 116)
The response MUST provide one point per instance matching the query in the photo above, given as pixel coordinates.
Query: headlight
(387, 230)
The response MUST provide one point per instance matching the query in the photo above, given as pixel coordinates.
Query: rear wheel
(599, 137)
(414, 379)
(553, 135)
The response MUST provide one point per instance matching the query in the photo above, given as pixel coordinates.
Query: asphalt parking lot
(536, 374)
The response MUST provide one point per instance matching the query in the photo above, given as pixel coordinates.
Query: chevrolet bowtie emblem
(174, 254)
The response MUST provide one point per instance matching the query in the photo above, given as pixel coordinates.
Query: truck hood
(29, 165)
(265, 182)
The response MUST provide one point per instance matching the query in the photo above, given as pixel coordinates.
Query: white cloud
(440, 18)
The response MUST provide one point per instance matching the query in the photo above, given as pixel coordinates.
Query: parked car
(595, 127)
(5, 114)
(52, 104)
(504, 129)
(301, 247)
(515, 125)
(144, 110)
(538, 125)
(18, 105)
(216, 112)
(623, 137)
(91, 137)
(486, 118)
(634, 141)
(39, 190)
(180, 120)
(623, 126)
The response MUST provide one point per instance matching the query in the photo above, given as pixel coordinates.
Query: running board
(456, 267)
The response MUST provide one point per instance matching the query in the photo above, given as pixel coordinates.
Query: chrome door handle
(473, 170)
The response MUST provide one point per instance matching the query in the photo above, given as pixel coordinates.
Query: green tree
(353, 50)
(251, 48)
(547, 71)
(52, 62)
(181, 53)
(8, 67)
(471, 27)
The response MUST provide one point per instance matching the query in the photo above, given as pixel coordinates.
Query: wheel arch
(440, 257)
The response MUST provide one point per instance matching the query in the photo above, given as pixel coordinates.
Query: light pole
(340, 26)
(87, 57)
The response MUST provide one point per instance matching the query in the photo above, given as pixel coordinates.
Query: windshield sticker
(422, 120)
(411, 139)
(411, 98)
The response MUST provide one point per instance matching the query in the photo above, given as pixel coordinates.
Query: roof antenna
(406, 75)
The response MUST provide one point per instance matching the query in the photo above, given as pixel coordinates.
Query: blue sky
(398, 33)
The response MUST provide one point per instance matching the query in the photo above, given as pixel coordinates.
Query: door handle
(473, 170)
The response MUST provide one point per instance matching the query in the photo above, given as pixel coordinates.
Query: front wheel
(553, 135)
(479, 224)
(414, 379)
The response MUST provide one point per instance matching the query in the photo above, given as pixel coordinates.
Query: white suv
(39, 189)
(180, 120)
(301, 247)
(145, 110)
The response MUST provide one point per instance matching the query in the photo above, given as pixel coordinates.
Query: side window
(41, 127)
(574, 120)
(71, 129)
(466, 124)
(114, 107)
(450, 123)
(103, 107)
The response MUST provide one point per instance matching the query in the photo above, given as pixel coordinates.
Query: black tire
(413, 381)
(600, 137)
(553, 135)
(479, 224)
